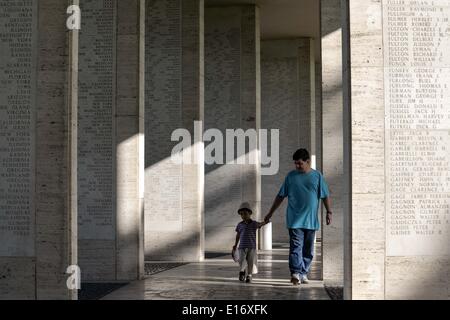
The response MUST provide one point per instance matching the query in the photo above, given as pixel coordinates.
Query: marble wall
(173, 100)
(109, 149)
(232, 101)
(37, 140)
(399, 138)
(129, 140)
(417, 136)
(96, 140)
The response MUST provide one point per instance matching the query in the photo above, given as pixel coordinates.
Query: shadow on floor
(335, 293)
(152, 268)
(96, 291)
(212, 255)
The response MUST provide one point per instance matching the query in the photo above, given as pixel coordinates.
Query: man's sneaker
(295, 279)
(249, 279)
(241, 276)
(305, 279)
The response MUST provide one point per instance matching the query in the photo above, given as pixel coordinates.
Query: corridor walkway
(216, 279)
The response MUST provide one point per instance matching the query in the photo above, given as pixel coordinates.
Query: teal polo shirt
(304, 191)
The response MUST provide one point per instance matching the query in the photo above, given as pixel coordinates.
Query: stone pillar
(365, 154)
(97, 133)
(109, 149)
(286, 105)
(129, 149)
(318, 136)
(311, 61)
(232, 101)
(173, 100)
(399, 132)
(332, 139)
(318, 118)
(37, 144)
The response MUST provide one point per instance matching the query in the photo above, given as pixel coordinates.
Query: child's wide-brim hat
(245, 206)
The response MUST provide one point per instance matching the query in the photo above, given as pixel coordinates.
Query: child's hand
(267, 218)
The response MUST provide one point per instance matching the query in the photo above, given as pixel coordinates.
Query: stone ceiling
(284, 18)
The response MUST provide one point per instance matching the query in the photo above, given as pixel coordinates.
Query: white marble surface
(217, 279)
(385, 265)
(173, 199)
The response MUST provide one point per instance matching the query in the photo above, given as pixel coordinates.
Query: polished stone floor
(216, 279)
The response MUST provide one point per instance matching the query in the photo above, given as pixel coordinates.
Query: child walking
(246, 238)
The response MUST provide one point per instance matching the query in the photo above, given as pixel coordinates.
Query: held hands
(267, 218)
(262, 224)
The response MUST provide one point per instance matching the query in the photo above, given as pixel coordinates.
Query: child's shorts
(248, 260)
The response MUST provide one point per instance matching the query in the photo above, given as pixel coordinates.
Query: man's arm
(276, 203)
(327, 203)
(261, 224)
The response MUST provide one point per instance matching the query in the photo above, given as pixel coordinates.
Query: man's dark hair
(301, 154)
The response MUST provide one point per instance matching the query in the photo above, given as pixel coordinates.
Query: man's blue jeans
(301, 251)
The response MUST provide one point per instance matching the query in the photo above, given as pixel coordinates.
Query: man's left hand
(329, 218)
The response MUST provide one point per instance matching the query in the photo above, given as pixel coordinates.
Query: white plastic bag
(235, 255)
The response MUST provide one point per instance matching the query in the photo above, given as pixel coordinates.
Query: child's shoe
(241, 276)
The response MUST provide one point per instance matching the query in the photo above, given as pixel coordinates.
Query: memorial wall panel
(18, 36)
(223, 94)
(163, 115)
(96, 151)
(417, 97)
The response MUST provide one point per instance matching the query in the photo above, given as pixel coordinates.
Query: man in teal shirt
(304, 187)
